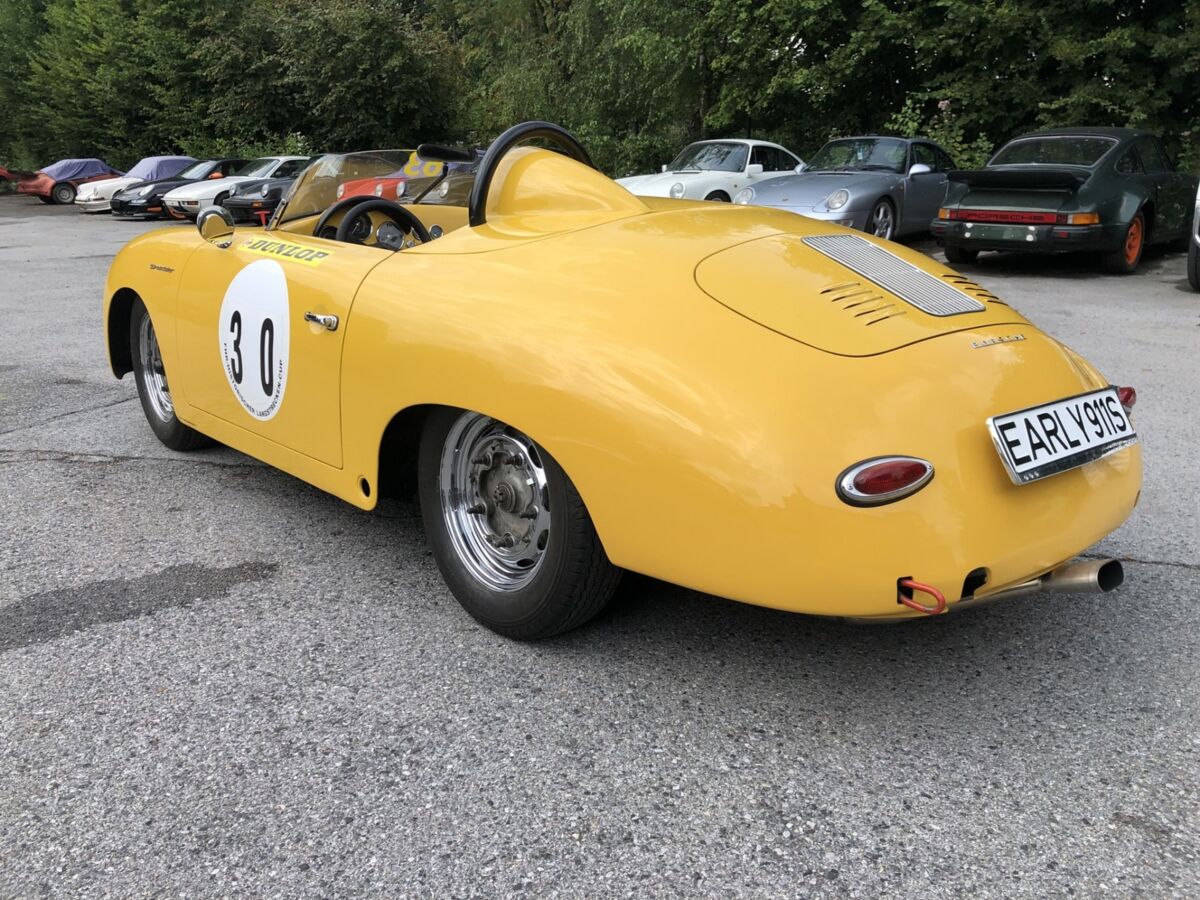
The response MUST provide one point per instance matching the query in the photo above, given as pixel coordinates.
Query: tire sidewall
(171, 432)
(509, 612)
(63, 193)
(717, 197)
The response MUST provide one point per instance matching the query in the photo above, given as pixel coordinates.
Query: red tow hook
(912, 603)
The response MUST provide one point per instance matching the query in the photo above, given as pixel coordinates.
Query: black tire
(572, 582)
(956, 254)
(63, 193)
(165, 425)
(45, 199)
(718, 197)
(1125, 259)
(1193, 265)
(885, 210)
(220, 199)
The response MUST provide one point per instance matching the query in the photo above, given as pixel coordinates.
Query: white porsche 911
(715, 170)
(186, 201)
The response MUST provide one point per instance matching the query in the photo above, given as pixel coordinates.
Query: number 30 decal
(254, 337)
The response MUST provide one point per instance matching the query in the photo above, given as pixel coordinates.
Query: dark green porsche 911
(1107, 190)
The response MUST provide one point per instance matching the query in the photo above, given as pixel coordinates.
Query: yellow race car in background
(578, 381)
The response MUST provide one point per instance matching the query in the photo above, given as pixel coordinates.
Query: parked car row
(1112, 191)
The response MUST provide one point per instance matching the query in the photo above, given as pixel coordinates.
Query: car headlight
(677, 190)
(837, 199)
(401, 188)
(444, 190)
(341, 189)
(144, 191)
(378, 189)
(744, 196)
(265, 192)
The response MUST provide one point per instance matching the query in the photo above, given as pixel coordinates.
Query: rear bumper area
(1027, 238)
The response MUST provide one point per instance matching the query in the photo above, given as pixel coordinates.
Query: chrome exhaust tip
(1088, 576)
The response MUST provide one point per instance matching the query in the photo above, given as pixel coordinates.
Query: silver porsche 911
(887, 186)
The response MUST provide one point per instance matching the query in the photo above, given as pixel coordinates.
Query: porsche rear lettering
(282, 249)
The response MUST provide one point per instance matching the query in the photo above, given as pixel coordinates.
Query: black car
(253, 202)
(1108, 190)
(144, 201)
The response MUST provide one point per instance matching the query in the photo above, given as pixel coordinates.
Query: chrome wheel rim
(495, 501)
(881, 221)
(154, 376)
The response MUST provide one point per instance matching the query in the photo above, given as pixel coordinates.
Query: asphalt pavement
(218, 681)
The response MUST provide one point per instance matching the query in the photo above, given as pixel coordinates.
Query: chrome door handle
(329, 323)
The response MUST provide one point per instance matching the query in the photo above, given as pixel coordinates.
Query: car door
(924, 192)
(1167, 191)
(250, 353)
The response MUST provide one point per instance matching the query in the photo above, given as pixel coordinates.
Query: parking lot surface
(216, 680)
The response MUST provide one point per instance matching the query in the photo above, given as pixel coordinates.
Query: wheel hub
(495, 501)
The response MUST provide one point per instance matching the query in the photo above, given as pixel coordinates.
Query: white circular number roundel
(255, 337)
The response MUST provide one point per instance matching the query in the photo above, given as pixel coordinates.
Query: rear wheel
(1193, 265)
(718, 196)
(956, 254)
(45, 199)
(1125, 258)
(63, 193)
(509, 531)
(153, 389)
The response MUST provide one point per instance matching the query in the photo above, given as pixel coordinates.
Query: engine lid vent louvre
(920, 289)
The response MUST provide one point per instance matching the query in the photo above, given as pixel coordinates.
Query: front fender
(148, 267)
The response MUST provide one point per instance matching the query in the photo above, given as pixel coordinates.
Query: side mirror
(215, 224)
(801, 168)
(664, 168)
(919, 169)
(754, 169)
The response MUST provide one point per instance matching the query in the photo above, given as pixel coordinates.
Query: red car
(56, 183)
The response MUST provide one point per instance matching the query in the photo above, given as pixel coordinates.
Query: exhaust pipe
(1083, 576)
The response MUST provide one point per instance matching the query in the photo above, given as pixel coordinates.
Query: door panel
(923, 194)
(248, 356)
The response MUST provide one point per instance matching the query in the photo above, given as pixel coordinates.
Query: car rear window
(1059, 150)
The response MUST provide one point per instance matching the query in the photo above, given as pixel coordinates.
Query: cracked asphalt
(217, 681)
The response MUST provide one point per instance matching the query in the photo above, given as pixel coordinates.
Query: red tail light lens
(883, 479)
(1128, 397)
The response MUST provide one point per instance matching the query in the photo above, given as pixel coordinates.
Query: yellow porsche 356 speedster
(576, 381)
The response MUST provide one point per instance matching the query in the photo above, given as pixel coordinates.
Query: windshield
(861, 154)
(716, 156)
(197, 170)
(1063, 150)
(257, 168)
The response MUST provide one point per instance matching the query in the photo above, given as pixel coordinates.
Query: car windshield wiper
(877, 167)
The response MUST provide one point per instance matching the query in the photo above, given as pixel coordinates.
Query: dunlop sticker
(310, 256)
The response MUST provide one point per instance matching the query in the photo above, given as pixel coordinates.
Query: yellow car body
(695, 368)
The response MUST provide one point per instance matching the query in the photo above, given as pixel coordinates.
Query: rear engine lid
(844, 294)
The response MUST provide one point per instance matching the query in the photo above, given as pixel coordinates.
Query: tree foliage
(634, 79)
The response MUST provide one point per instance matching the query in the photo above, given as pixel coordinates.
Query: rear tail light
(883, 479)
(1128, 398)
(1079, 218)
(1019, 216)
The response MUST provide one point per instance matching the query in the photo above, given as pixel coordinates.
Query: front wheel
(882, 223)
(152, 386)
(1193, 265)
(509, 531)
(63, 193)
(956, 254)
(1124, 260)
(718, 197)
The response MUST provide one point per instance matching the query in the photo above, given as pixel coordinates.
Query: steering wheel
(356, 208)
(526, 131)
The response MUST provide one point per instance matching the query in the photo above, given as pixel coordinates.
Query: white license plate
(1054, 437)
